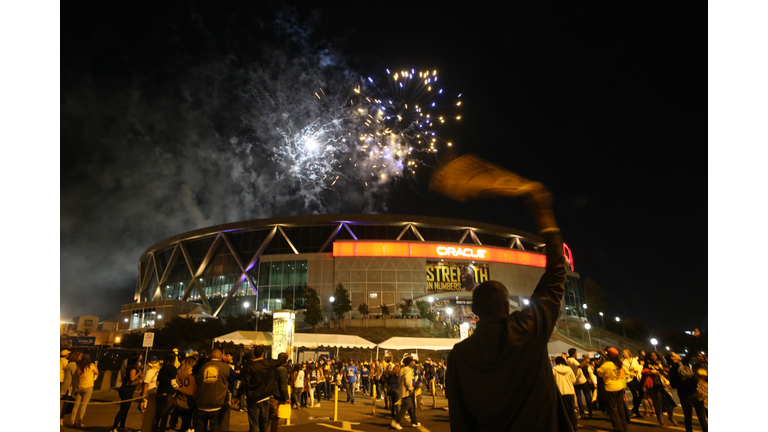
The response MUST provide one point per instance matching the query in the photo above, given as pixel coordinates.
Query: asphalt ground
(358, 417)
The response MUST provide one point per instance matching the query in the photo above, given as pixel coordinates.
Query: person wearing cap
(176, 361)
(506, 359)
(149, 391)
(612, 371)
(63, 360)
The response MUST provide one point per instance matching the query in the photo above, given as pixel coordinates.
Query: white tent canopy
(400, 343)
(247, 338)
(556, 347)
(304, 340)
(314, 340)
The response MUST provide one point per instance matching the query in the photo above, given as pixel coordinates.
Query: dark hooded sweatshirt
(500, 378)
(259, 377)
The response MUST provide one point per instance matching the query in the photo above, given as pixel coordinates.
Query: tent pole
(377, 352)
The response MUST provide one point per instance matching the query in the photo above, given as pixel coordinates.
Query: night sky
(162, 130)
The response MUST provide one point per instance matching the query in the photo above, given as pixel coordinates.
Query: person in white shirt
(150, 385)
(581, 386)
(632, 364)
(565, 379)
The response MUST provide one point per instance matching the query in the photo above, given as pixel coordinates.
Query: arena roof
(472, 228)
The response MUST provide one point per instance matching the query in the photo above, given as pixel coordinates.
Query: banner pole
(336, 404)
(373, 399)
(434, 397)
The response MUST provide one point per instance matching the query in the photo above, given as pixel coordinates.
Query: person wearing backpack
(686, 381)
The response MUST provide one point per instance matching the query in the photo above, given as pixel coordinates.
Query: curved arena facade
(265, 265)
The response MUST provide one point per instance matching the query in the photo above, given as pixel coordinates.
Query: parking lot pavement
(358, 417)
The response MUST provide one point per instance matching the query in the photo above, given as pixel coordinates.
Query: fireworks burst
(405, 115)
(381, 130)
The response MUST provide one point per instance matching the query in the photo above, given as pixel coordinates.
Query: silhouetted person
(500, 378)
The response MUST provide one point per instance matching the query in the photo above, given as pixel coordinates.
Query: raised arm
(469, 177)
(540, 316)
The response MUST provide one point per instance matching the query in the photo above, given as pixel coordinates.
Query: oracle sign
(466, 252)
(436, 250)
(439, 250)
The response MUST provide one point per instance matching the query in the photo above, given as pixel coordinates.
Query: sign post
(464, 330)
(149, 340)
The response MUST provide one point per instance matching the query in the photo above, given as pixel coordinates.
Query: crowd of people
(196, 389)
(182, 388)
(600, 383)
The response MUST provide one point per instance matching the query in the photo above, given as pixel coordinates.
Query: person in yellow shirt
(87, 373)
(612, 372)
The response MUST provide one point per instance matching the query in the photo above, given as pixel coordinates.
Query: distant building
(87, 329)
(265, 265)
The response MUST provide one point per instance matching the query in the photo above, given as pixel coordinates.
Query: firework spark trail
(404, 119)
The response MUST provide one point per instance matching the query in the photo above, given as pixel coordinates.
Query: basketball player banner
(455, 276)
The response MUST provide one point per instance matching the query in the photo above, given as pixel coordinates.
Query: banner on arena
(454, 276)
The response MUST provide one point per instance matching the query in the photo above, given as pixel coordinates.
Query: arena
(265, 265)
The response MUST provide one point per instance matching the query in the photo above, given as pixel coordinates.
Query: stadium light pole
(601, 318)
(587, 326)
(654, 342)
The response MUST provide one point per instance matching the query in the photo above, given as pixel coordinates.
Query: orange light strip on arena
(437, 250)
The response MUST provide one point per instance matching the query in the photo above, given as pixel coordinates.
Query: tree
(244, 321)
(423, 307)
(313, 315)
(405, 307)
(384, 311)
(341, 303)
(132, 340)
(363, 309)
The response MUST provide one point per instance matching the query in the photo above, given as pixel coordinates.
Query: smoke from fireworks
(206, 129)
(365, 135)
